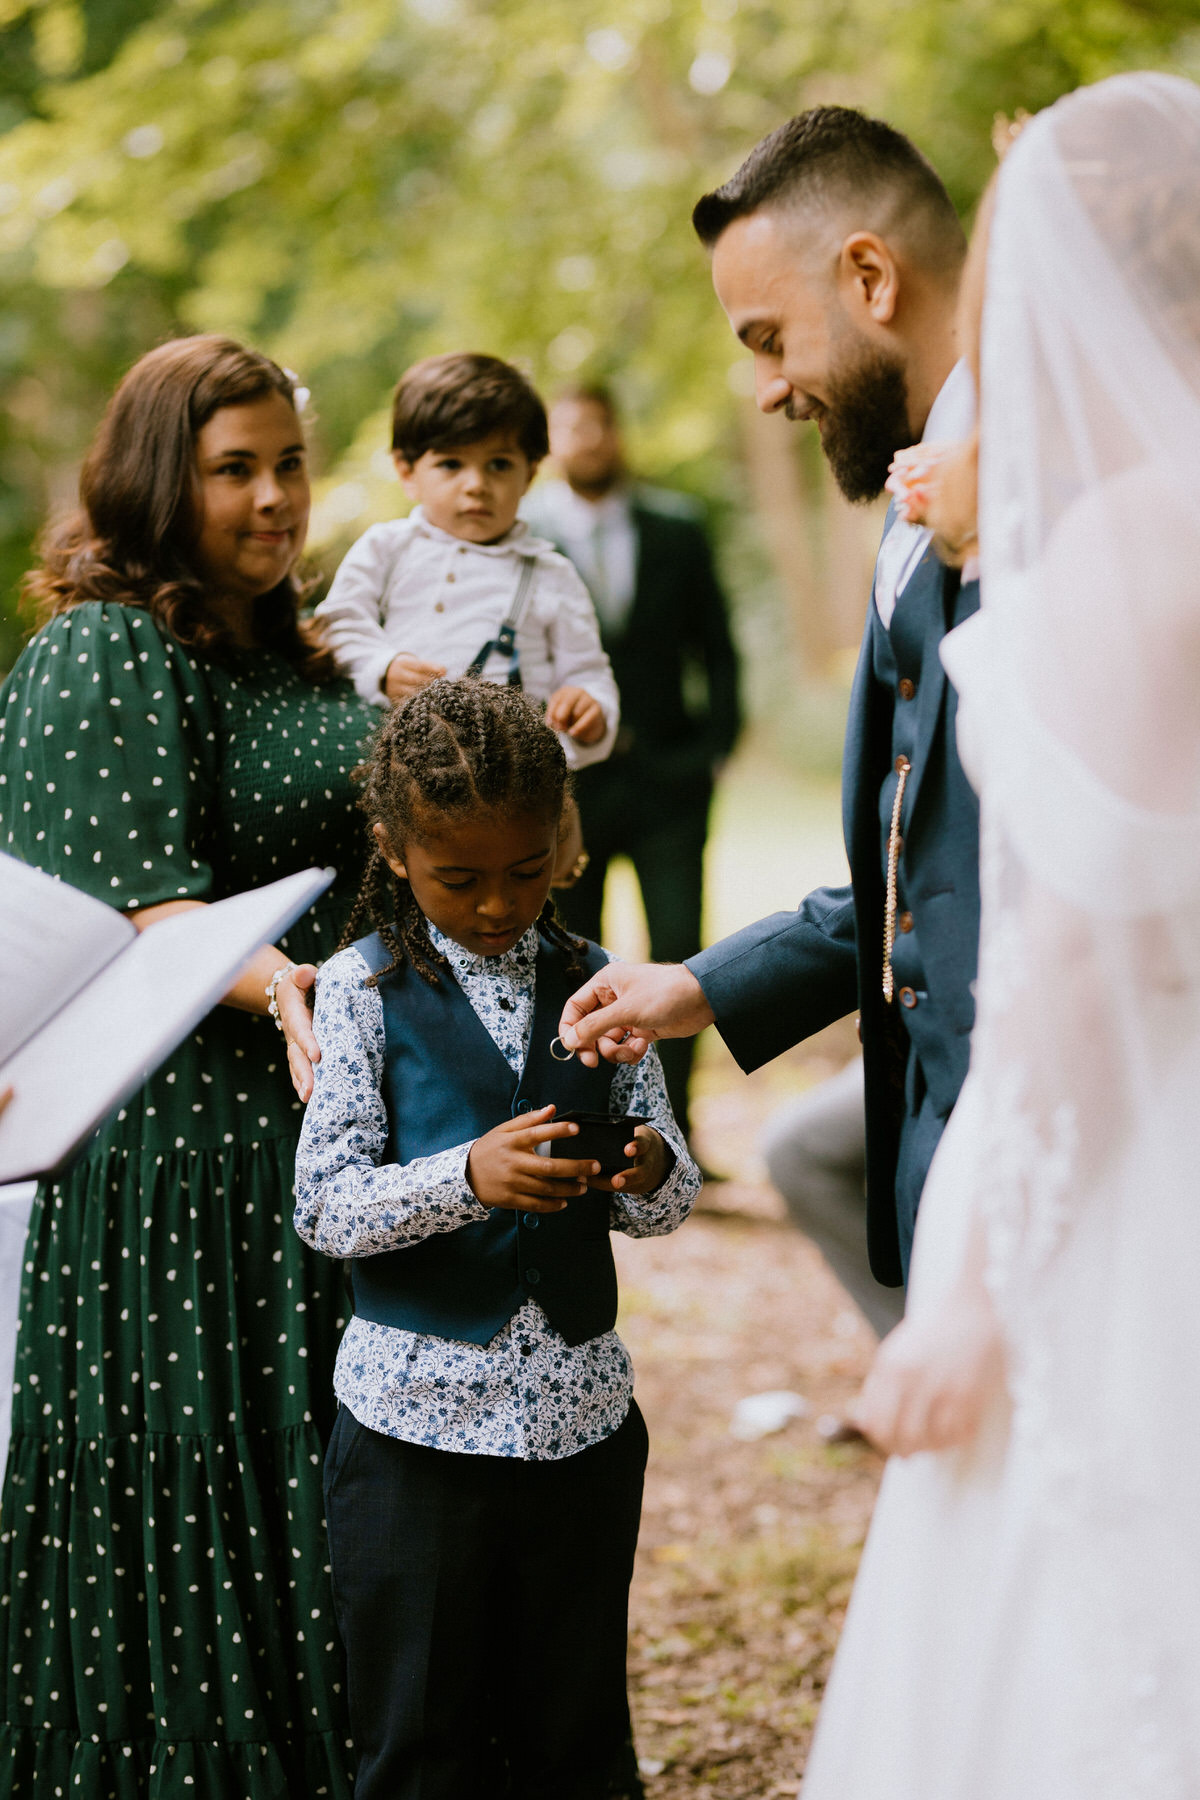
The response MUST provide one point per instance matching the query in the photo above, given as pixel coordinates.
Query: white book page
(53, 939)
(100, 1048)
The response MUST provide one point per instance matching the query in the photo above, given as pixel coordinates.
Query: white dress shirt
(951, 418)
(599, 537)
(407, 585)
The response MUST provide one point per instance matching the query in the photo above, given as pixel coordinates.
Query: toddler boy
(462, 585)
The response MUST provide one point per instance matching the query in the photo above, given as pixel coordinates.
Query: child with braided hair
(484, 1478)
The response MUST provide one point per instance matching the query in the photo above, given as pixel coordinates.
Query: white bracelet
(269, 991)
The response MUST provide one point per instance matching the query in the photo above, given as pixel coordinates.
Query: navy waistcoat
(445, 1082)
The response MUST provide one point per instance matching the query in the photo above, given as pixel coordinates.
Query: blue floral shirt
(526, 1393)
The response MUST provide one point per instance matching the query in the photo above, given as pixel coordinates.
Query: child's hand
(504, 1169)
(573, 710)
(649, 1159)
(407, 675)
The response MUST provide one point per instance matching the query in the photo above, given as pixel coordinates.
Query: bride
(1026, 1624)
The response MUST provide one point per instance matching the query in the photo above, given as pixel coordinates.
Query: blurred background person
(664, 622)
(815, 1149)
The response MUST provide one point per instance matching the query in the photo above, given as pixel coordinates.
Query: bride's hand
(933, 1379)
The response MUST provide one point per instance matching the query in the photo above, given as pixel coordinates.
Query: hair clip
(300, 394)
(562, 1054)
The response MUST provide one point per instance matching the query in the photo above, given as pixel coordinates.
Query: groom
(836, 255)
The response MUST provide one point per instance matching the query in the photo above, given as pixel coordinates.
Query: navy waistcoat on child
(445, 1082)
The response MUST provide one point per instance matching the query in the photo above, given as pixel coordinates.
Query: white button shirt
(600, 538)
(951, 418)
(407, 585)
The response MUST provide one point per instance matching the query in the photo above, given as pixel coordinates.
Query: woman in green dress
(172, 734)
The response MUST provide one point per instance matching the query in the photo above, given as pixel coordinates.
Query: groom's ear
(868, 279)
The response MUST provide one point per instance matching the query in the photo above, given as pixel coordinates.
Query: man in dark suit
(664, 623)
(837, 255)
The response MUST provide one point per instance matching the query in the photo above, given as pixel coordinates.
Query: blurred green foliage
(352, 183)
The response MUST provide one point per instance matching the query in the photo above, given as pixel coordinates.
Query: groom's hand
(620, 1012)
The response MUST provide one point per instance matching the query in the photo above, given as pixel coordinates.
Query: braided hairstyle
(454, 750)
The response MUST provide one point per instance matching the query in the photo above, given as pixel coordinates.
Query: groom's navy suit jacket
(785, 977)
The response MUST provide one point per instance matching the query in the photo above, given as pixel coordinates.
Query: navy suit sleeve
(776, 982)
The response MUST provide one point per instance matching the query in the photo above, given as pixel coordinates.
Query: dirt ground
(748, 1550)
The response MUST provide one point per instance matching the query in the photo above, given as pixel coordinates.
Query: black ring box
(601, 1139)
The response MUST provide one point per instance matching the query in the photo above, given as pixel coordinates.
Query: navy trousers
(483, 1602)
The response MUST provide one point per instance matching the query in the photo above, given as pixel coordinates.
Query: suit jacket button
(907, 688)
(533, 1276)
(524, 1106)
(530, 1221)
(905, 921)
(907, 997)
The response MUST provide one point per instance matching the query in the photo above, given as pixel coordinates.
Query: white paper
(99, 1049)
(53, 939)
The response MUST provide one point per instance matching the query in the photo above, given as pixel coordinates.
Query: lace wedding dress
(1026, 1624)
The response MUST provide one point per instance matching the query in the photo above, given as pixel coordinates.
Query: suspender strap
(505, 644)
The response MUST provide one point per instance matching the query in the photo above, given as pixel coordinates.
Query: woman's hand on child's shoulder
(649, 1161)
(504, 1168)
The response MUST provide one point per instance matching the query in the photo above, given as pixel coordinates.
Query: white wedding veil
(1079, 681)
(1090, 486)
(1076, 1134)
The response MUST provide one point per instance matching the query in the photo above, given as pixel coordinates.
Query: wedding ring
(561, 1054)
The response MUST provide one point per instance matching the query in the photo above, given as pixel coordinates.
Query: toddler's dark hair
(445, 402)
(454, 750)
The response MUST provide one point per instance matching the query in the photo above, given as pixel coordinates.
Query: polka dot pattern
(164, 1594)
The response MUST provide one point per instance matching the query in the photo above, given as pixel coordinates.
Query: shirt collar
(515, 963)
(583, 514)
(513, 539)
(952, 415)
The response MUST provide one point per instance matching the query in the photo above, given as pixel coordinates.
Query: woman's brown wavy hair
(131, 539)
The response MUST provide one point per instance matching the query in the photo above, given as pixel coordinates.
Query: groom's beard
(865, 419)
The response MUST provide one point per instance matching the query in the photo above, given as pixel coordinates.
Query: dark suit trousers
(483, 1603)
(662, 829)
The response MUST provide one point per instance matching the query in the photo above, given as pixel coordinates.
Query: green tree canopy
(353, 183)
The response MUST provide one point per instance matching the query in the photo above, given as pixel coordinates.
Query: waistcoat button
(907, 688)
(533, 1276)
(907, 997)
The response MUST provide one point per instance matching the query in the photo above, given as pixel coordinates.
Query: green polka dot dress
(167, 1619)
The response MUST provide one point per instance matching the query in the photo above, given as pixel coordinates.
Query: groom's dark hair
(833, 156)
